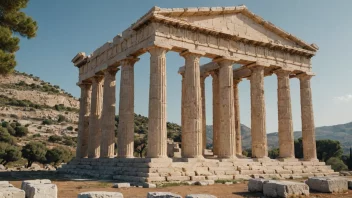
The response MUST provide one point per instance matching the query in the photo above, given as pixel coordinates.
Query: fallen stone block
(100, 194)
(204, 183)
(350, 184)
(285, 189)
(41, 191)
(121, 185)
(149, 185)
(328, 184)
(256, 185)
(25, 183)
(200, 196)
(162, 195)
(11, 192)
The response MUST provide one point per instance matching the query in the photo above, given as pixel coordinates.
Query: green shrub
(39, 127)
(6, 137)
(21, 131)
(27, 125)
(9, 153)
(69, 142)
(54, 138)
(11, 130)
(58, 155)
(34, 152)
(336, 164)
(36, 135)
(47, 122)
(61, 118)
(70, 128)
(4, 124)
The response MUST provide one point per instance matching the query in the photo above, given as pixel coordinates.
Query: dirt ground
(70, 189)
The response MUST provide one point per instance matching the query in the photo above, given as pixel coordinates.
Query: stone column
(258, 127)
(286, 140)
(83, 123)
(237, 117)
(94, 119)
(183, 94)
(108, 115)
(227, 136)
(192, 135)
(125, 131)
(157, 135)
(308, 128)
(204, 124)
(216, 104)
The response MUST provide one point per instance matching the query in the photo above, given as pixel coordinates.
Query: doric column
(192, 135)
(258, 127)
(183, 94)
(286, 140)
(157, 132)
(227, 136)
(216, 104)
(204, 124)
(125, 131)
(94, 119)
(83, 123)
(308, 130)
(107, 145)
(237, 117)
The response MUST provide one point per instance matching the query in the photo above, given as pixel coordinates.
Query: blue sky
(67, 27)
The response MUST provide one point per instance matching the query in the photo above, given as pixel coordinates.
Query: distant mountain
(340, 132)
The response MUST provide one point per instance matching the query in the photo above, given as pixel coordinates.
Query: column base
(287, 159)
(262, 159)
(310, 160)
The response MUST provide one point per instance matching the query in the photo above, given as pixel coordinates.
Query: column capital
(97, 78)
(111, 71)
(223, 62)
(304, 76)
(157, 51)
(131, 60)
(282, 72)
(236, 81)
(214, 72)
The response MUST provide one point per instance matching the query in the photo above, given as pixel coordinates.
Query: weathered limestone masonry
(227, 36)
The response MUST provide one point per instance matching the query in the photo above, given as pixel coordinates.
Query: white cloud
(345, 98)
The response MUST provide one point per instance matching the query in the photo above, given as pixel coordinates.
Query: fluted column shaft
(308, 128)
(108, 114)
(94, 119)
(125, 131)
(192, 135)
(286, 140)
(237, 117)
(83, 122)
(227, 136)
(157, 135)
(204, 124)
(258, 127)
(183, 95)
(216, 113)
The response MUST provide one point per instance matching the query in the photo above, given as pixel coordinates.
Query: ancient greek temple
(226, 35)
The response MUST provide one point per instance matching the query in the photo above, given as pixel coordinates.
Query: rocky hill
(43, 108)
(340, 132)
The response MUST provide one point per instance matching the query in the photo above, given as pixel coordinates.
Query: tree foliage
(12, 20)
(34, 152)
(5, 136)
(336, 164)
(140, 144)
(327, 149)
(274, 153)
(9, 153)
(58, 155)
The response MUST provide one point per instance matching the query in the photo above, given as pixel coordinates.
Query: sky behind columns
(67, 27)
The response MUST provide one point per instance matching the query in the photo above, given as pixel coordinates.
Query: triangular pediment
(237, 21)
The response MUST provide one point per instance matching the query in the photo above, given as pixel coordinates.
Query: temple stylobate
(226, 35)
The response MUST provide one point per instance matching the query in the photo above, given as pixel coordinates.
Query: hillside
(340, 132)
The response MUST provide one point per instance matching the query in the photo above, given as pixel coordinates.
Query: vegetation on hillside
(13, 20)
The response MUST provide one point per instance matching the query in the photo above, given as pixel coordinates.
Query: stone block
(149, 185)
(225, 177)
(121, 185)
(328, 184)
(256, 185)
(11, 192)
(232, 172)
(202, 173)
(197, 178)
(162, 195)
(155, 179)
(212, 177)
(41, 191)
(37, 181)
(178, 178)
(200, 196)
(269, 171)
(228, 183)
(100, 194)
(251, 172)
(350, 184)
(244, 177)
(285, 189)
(284, 172)
(190, 173)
